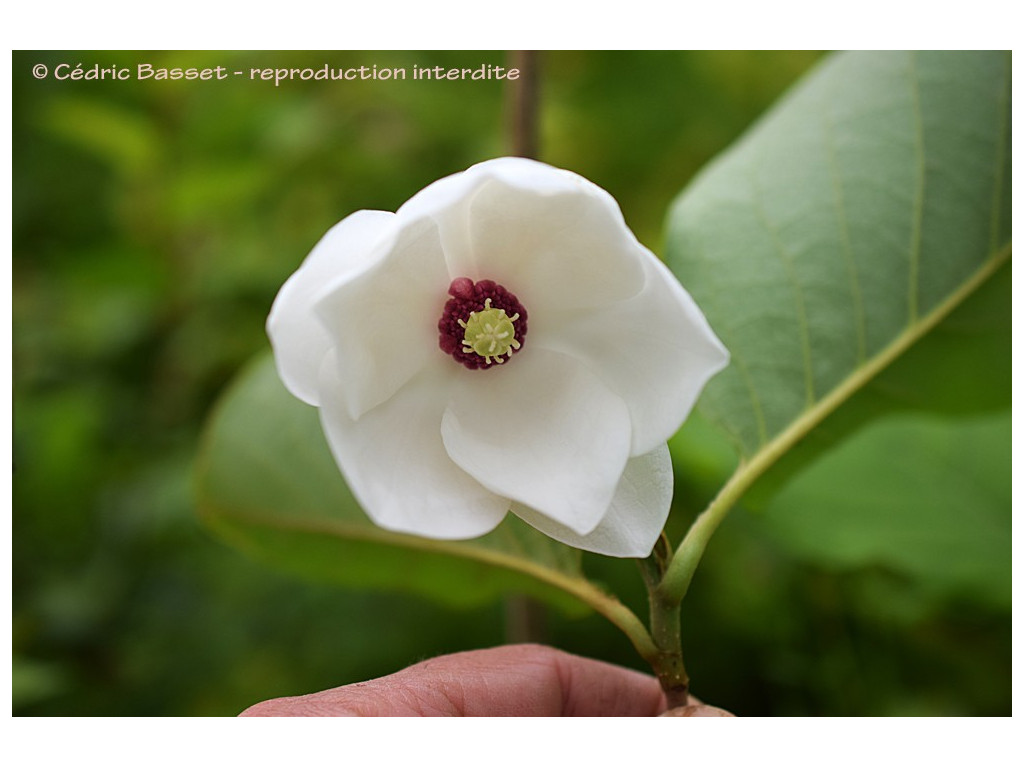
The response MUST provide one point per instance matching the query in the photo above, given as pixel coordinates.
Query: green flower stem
(680, 570)
(667, 661)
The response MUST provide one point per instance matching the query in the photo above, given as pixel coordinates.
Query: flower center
(482, 325)
(490, 333)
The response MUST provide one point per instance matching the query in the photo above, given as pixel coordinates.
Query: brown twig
(524, 136)
(525, 618)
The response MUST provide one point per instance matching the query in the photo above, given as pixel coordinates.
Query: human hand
(513, 680)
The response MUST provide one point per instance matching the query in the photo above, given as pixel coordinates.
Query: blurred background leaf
(143, 271)
(925, 497)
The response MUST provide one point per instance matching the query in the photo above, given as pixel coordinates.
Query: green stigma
(490, 333)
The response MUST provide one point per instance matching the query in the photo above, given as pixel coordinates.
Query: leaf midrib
(577, 586)
(680, 571)
(750, 469)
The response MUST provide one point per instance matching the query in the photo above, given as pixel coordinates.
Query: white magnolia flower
(446, 409)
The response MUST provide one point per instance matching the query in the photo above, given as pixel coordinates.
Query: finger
(515, 680)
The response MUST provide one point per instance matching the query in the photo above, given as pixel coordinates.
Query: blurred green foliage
(154, 223)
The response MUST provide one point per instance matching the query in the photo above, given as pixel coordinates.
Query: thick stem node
(667, 660)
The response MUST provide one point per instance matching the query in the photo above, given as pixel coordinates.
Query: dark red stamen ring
(468, 297)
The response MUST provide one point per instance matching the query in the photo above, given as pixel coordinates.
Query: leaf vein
(913, 278)
(860, 317)
(727, 337)
(1001, 147)
(798, 294)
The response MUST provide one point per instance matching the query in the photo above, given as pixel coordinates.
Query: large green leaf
(852, 252)
(267, 482)
(939, 515)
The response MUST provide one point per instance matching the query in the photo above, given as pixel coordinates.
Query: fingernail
(696, 710)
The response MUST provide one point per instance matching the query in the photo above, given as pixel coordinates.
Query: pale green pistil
(490, 333)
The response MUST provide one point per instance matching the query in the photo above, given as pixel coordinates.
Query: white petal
(555, 251)
(656, 351)
(298, 339)
(548, 235)
(446, 200)
(396, 466)
(634, 519)
(383, 323)
(541, 430)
